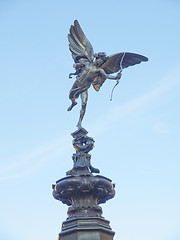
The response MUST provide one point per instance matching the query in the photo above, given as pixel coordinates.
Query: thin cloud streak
(53, 150)
(34, 160)
(121, 111)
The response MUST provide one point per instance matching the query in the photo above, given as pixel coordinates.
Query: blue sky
(137, 134)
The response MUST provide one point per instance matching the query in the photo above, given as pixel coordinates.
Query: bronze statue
(81, 190)
(93, 69)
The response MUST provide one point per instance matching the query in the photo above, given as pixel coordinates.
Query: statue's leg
(72, 104)
(73, 94)
(84, 98)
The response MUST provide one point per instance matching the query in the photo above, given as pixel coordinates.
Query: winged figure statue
(93, 68)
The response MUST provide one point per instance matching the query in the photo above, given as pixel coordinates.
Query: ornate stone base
(83, 194)
(91, 228)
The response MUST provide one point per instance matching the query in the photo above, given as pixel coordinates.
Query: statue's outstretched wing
(117, 62)
(79, 45)
(124, 60)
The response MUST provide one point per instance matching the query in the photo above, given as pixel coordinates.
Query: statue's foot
(79, 126)
(72, 105)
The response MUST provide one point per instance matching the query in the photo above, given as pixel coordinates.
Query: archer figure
(93, 69)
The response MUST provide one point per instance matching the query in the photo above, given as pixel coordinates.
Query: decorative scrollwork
(83, 194)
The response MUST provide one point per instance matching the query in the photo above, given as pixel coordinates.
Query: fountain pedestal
(83, 192)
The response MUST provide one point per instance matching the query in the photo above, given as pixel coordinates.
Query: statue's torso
(88, 74)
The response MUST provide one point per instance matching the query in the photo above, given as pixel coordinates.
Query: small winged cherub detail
(93, 69)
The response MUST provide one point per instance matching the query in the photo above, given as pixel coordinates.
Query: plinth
(83, 192)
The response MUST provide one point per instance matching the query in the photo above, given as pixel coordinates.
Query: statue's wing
(116, 62)
(124, 60)
(79, 45)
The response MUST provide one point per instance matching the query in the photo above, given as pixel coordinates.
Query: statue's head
(100, 58)
(101, 55)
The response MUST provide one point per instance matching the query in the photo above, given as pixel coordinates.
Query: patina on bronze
(84, 194)
(93, 69)
(80, 189)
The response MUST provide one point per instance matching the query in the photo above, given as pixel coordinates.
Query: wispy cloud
(30, 162)
(35, 159)
(135, 105)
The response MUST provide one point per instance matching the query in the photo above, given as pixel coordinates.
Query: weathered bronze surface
(86, 228)
(93, 69)
(82, 159)
(83, 194)
(80, 189)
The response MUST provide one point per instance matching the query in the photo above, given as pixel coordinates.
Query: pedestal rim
(86, 225)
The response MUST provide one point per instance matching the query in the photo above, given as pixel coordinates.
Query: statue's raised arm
(93, 68)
